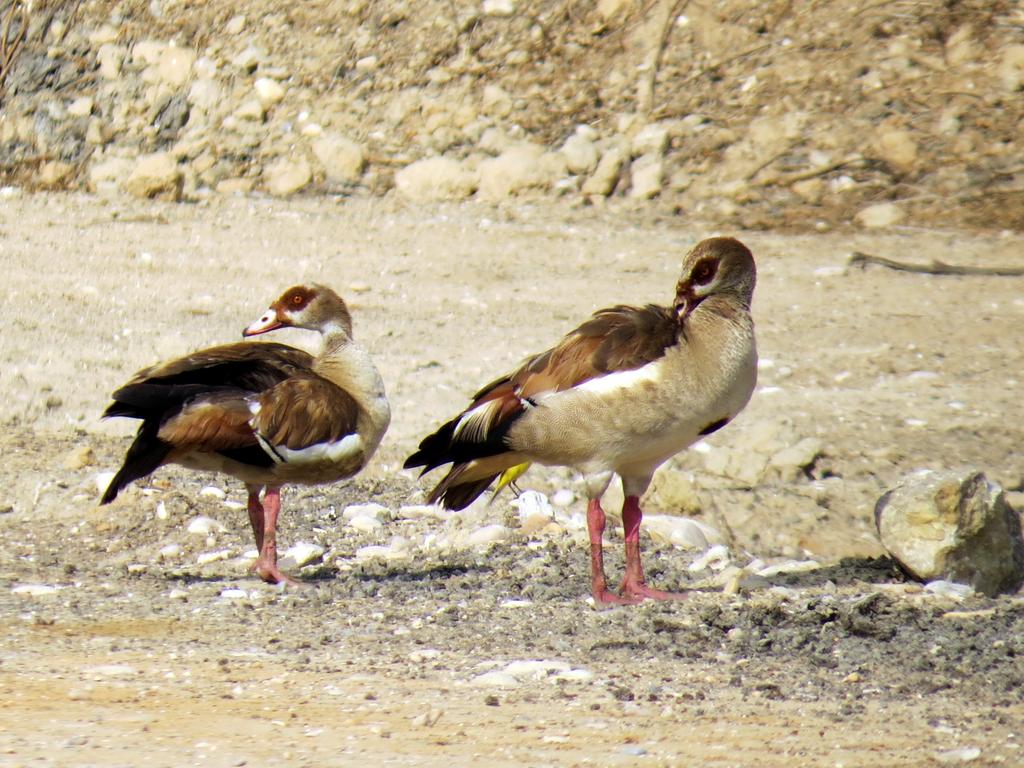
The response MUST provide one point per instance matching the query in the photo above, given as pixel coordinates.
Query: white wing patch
(334, 452)
(613, 382)
(476, 423)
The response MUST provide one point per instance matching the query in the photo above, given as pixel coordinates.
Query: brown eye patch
(704, 271)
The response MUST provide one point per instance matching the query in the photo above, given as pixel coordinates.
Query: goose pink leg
(266, 564)
(256, 514)
(598, 582)
(633, 585)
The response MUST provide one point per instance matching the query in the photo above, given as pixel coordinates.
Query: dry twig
(934, 267)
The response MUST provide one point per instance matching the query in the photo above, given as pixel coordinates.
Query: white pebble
(516, 604)
(302, 553)
(563, 497)
(495, 680)
(365, 524)
(202, 526)
(170, 551)
(112, 670)
(535, 668)
(233, 594)
(177, 594)
(375, 511)
(961, 755)
(532, 503)
(34, 590)
(213, 492)
(419, 511)
(213, 557)
(423, 654)
(103, 480)
(790, 566)
(161, 510)
(942, 588)
(489, 534)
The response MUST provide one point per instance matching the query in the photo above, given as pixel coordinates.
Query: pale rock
(82, 456)
(898, 148)
(716, 558)
(111, 59)
(487, 535)
(249, 59)
(300, 554)
(148, 52)
(170, 552)
(102, 480)
(652, 139)
(581, 154)
(235, 25)
(175, 65)
(533, 504)
(371, 510)
(102, 35)
(423, 511)
(499, 7)
(789, 566)
(235, 186)
(948, 589)
(536, 669)
(646, 176)
(958, 755)
(563, 498)
(205, 558)
(791, 461)
(204, 526)
(955, 526)
(287, 176)
(35, 590)
(810, 190)
(435, 178)
(155, 175)
(212, 492)
(268, 91)
(879, 215)
(367, 64)
(602, 182)
(518, 169)
(495, 679)
(55, 173)
(1011, 68)
(81, 107)
(251, 109)
(613, 10)
(961, 47)
(342, 159)
(683, 532)
(674, 491)
(206, 93)
(494, 141)
(496, 101)
(365, 524)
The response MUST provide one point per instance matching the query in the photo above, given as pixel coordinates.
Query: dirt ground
(114, 654)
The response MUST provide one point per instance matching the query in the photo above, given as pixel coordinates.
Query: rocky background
(757, 115)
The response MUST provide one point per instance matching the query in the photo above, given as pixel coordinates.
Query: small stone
(563, 498)
(898, 149)
(375, 511)
(288, 176)
(955, 526)
(54, 174)
(342, 159)
(879, 215)
(960, 755)
(633, 750)
(175, 65)
(496, 101)
(233, 594)
(1011, 68)
(499, 7)
(428, 718)
(650, 140)
(111, 59)
(602, 182)
(102, 480)
(681, 532)
(34, 590)
(436, 178)
(251, 109)
(301, 554)
(365, 524)
(155, 176)
(212, 492)
(514, 171)
(268, 91)
(107, 175)
(81, 107)
(489, 534)
(82, 456)
(495, 679)
(170, 552)
(235, 25)
(204, 526)
(535, 669)
(581, 154)
(206, 558)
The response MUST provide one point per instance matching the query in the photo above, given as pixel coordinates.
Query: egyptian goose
(267, 414)
(621, 394)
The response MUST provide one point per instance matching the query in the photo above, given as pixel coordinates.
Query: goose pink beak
(268, 322)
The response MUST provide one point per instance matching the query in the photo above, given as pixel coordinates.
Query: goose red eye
(703, 272)
(297, 299)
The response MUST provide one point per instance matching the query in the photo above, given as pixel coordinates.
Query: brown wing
(620, 338)
(303, 411)
(214, 422)
(248, 365)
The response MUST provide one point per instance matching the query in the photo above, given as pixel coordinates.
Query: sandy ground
(111, 655)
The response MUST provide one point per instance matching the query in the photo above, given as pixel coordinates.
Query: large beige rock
(436, 178)
(517, 170)
(955, 526)
(287, 176)
(879, 215)
(606, 175)
(156, 175)
(342, 159)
